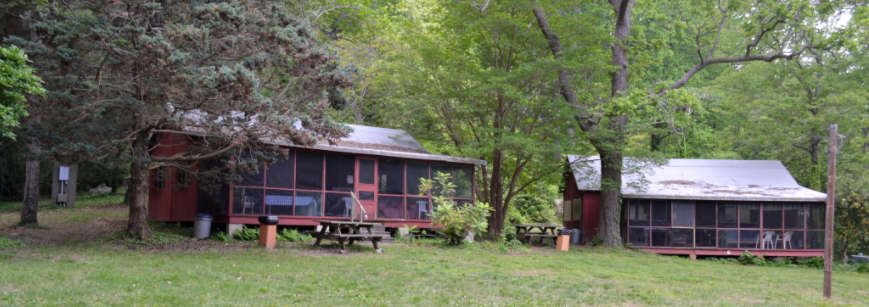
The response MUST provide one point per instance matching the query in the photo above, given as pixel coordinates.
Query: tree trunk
(496, 197)
(138, 223)
(610, 188)
(30, 203)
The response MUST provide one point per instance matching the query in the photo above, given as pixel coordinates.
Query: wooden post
(831, 210)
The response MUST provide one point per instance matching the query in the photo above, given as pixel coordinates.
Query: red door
(366, 187)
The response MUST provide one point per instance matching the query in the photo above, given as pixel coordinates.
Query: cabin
(378, 170)
(702, 207)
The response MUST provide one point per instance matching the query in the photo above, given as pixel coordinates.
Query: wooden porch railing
(357, 209)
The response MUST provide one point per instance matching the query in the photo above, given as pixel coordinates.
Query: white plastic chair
(768, 239)
(423, 208)
(786, 241)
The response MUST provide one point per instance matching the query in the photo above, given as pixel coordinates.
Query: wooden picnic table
(527, 232)
(347, 231)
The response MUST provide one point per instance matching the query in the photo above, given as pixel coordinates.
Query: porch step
(379, 229)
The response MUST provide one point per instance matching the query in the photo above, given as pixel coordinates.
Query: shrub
(293, 235)
(747, 258)
(246, 234)
(223, 237)
(815, 262)
(455, 221)
(7, 243)
(863, 268)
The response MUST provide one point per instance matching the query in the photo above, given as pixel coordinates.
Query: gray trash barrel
(202, 226)
(575, 236)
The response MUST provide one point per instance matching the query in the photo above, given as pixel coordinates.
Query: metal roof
(698, 179)
(365, 140)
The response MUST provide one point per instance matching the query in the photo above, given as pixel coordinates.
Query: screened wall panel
(415, 171)
(251, 175)
(728, 215)
(705, 214)
(340, 172)
(391, 176)
(417, 208)
(772, 215)
(710, 224)
(660, 213)
(638, 212)
(338, 205)
(247, 201)
(280, 173)
(389, 207)
(793, 216)
(279, 202)
(308, 203)
(309, 170)
(749, 216)
(463, 177)
(683, 213)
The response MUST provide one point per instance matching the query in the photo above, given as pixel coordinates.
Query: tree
(468, 81)
(766, 32)
(16, 80)
(230, 72)
(53, 34)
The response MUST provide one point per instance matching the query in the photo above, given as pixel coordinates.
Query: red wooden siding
(171, 200)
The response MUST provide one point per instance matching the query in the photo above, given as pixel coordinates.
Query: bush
(863, 268)
(223, 237)
(815, 262)
(455, 221)
(246, 234)
(7, 243)
(293, 235)
(747, 258)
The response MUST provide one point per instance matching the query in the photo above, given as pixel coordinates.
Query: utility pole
(831, 210)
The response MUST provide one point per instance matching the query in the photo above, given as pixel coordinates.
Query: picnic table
(341, 231)
(528, 232)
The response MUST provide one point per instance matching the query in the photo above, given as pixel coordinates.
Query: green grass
(113, 271)
(83, 200)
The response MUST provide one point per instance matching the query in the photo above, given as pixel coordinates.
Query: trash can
(268, 226)
(202, 226)
(563, 241)
(575, 236)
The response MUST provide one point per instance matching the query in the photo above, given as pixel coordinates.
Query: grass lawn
(92, 268)
(82, 200)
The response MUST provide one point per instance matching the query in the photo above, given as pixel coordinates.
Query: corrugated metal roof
(700, 179)
(365, 140)
(382, 137)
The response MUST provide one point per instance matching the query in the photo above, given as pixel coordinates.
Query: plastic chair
(423, 208)
(786, 242)
(768, 239)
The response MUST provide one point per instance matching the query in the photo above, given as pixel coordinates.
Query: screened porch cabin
(380, 166)
(703, 207)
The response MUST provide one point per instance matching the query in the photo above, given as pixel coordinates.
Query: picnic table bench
(528, 232)
(341, 231)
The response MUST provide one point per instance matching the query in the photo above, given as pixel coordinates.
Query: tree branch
(564, 80)
(749, 58)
